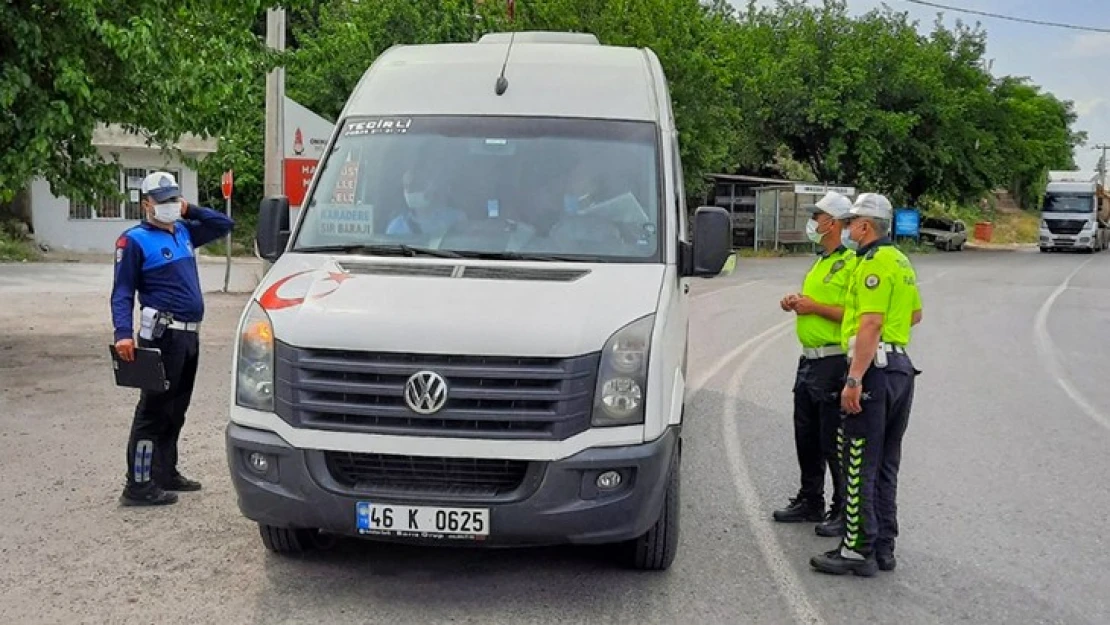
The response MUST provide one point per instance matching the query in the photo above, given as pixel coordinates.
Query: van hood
(450, 306)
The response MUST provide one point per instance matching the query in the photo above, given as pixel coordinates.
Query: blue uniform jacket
(162, 268)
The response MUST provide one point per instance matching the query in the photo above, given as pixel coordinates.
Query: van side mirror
(272, 234)
(712, 242)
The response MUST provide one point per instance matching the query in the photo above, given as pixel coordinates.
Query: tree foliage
(808, 92)
(165, 67)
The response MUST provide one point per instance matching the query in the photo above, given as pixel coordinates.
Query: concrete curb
(1000, 247)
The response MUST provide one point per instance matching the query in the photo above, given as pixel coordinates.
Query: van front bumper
(556, 502)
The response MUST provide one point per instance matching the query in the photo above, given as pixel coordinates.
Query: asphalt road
(1003, 498)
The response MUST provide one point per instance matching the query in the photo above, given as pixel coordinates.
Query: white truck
(1075, 213)
(475, 329)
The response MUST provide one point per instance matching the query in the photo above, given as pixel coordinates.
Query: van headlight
(255, 366)
(622, 375)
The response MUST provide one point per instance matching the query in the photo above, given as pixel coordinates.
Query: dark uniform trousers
(817, 387)
(871, 450)
(159, 417)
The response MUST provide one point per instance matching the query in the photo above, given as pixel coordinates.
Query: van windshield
(489, 187)
(1068, 203)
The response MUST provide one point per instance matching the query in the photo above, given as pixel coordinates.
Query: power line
(937, 5)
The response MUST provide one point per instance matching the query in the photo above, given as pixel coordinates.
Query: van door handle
(686, 288)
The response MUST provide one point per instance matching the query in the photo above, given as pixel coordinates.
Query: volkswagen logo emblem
(426, 392)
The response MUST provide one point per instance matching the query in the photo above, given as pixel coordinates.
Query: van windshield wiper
(548, 258)
(380, 250)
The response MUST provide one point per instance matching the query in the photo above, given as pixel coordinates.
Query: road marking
(1047, 350)
(697, 383)
(734, 287)
(773, 554)
(936, 277)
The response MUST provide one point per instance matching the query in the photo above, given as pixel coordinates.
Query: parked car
(946, 234)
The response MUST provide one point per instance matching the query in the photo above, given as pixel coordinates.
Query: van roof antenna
(502, 82)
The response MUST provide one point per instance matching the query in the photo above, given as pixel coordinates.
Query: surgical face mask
(167, 213)
(570, 203)
(811, 231)
(416, 199)
(846, 239)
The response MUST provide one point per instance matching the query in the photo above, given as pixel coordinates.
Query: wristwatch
(851, 382)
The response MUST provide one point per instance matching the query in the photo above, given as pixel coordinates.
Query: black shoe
(181, 483)
(801, 510)
(886, 560)
(833, 526)
(834, 563)
(146, 496)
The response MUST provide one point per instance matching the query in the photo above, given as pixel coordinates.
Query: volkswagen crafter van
(474, 331)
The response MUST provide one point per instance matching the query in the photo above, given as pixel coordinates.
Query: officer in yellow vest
(821, 369)
(882, 306)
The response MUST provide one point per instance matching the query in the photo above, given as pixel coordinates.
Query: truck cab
(475, 330)
(1074, 213)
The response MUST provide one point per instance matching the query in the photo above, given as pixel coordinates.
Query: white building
(64, 224)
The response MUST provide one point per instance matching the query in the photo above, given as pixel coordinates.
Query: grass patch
(14, 246)
(1009, 228)
(748, 252)
(784, 250)
(912, 246)
(242, 237)
(218, 248)
(1016, 228)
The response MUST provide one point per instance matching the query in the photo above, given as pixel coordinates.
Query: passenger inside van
(427, 201)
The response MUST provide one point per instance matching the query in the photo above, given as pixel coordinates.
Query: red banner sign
(298, 175)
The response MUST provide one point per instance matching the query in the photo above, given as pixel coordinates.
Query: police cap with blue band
(161, 187)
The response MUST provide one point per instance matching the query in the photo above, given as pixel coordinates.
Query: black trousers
(159, 417)
(873, 454)
(816, 420)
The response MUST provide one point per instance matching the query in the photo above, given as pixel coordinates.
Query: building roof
(115, 136)
(755, 179)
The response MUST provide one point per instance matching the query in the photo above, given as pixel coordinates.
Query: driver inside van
(581, 188)
(427, 210)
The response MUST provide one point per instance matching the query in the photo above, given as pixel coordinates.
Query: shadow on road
(430, 584)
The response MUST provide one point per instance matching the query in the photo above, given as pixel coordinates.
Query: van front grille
(426, 474)
(487, 397)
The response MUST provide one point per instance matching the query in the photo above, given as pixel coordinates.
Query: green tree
(163, 67)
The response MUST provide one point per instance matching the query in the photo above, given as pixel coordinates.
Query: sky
(1072, 64)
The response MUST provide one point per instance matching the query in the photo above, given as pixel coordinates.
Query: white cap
(161, 186)
(833, 204)
(871, 205)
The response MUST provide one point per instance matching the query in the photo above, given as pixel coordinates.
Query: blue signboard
(907, 222)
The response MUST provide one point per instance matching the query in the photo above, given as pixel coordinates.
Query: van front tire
(656, 550)
(287, 541)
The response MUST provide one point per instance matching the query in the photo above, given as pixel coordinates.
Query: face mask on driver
(167, 213)
(570, 203)
(416, 199)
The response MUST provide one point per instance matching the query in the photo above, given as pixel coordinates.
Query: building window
(129, 181)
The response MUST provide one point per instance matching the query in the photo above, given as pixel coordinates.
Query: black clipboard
(146, 372)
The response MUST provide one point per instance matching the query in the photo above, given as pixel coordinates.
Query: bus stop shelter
(782, 213)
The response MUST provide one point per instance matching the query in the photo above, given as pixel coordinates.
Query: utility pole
(1102, 162)
(275, 105)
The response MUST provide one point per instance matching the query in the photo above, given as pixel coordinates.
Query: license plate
(421, 521)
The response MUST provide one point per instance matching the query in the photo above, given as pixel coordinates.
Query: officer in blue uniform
(156, 260)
